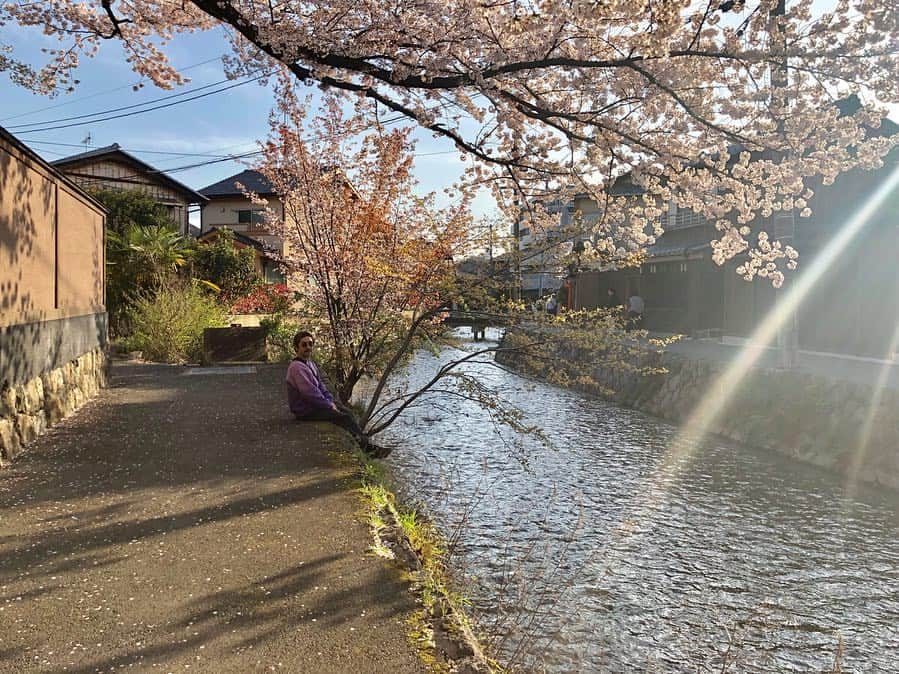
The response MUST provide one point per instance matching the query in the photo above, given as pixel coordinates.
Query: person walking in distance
(635, 309)
(552, 305)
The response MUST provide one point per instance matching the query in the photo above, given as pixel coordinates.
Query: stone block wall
(841, 426)
(29, 408)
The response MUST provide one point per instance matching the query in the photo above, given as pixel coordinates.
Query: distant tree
(129, 208)
(221, 262)
(143, 250)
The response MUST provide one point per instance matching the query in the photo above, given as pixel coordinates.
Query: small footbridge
(478, 321)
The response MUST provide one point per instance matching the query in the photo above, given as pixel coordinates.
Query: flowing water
(586, 561)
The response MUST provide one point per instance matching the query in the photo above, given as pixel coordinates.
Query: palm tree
(139, 261)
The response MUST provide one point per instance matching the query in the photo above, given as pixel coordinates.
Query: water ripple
(586, 563)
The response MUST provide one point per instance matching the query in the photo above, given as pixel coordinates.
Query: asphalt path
(185, 522)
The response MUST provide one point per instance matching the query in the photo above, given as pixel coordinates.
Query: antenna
(87, 140)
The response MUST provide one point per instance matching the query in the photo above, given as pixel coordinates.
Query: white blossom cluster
(726, 109)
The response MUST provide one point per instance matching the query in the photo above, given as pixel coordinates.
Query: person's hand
(334, 407)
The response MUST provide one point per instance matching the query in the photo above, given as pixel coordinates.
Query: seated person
(310, 400)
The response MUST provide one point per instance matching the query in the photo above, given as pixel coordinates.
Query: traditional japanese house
(113, 168)
(852, 309)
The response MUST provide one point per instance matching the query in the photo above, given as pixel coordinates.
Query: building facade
(853, 308)
(112, 168)
(228, 206)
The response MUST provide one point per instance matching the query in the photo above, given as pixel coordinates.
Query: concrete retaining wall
(28, 350)
(838, 425)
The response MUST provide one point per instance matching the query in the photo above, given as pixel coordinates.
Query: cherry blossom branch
(116, 22)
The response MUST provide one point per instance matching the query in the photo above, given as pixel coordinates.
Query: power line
(177, 169)
(217, 158)
(245, 155)
(139, 112)
(15, 127)
(134, 150)
(101, 93)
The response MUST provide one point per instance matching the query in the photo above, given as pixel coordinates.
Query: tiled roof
(142, 166)
(241, 238)
(252, 181)
(96, 152)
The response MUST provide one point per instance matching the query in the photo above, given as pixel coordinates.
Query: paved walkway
(834, 366)
(187, 523)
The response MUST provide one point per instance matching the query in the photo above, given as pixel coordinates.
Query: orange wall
(51, 244)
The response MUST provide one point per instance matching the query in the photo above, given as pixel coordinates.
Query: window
(250, 217)
(272, 272)
(680, 218)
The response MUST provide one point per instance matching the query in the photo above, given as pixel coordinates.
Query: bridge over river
(477, 321)
(589, 564)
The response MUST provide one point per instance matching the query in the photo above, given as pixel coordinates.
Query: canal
(586, 562)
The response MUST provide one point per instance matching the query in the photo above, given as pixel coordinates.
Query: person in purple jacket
(310, 400)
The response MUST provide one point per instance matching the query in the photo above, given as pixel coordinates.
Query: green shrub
(221, 262)
(132, 208)
(279, 337)
(168, 326)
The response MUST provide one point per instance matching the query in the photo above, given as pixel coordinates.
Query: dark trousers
(342, 417)
(633, 321)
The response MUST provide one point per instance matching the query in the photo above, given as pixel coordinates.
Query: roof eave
(194, 197)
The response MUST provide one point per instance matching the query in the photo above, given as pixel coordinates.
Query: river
(582, 560)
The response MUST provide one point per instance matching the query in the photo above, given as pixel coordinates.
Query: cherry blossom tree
(375, 267)
(371, 260)
(721, 106)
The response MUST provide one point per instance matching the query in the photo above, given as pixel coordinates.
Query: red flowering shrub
(265, 298)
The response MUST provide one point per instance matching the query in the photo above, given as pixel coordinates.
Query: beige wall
(223, 213)
(51, 244)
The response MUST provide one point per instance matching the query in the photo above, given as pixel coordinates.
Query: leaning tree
(721, 106)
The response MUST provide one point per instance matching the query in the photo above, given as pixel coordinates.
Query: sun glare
(713, 403)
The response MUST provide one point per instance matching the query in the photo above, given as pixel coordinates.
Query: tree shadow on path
(187, 520)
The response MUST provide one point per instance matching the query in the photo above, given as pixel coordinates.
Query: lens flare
(864, 434)
(722, 391)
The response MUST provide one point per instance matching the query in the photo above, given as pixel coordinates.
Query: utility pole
(490, 248)
(784, 221)
(516, 290)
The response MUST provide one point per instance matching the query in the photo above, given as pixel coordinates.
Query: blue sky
(221, 124)
(226, 123)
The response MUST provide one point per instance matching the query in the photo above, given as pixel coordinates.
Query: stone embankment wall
(834, 424)
(29, 408)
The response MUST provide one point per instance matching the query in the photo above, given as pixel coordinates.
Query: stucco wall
(52, 315)
(51, 244)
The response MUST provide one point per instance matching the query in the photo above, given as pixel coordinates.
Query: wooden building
(853, 308)
(112, 168)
